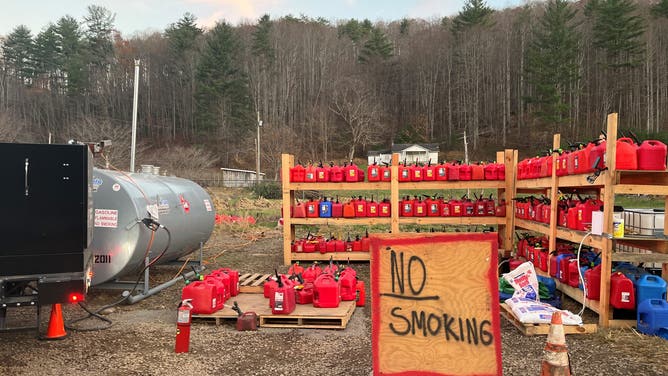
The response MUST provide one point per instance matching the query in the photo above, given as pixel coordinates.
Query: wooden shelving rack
(607, 185)
(504, 188)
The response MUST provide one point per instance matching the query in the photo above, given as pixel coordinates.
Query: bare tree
(356, 106)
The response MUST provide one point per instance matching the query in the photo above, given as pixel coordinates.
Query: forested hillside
(331, 89)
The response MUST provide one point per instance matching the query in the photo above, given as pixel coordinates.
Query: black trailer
(46, 223)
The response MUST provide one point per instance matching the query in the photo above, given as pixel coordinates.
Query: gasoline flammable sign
(435, 308)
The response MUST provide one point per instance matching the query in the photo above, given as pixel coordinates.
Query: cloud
(429, 8)
(232, 10)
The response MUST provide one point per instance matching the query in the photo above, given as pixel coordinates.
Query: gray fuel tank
(121, 242)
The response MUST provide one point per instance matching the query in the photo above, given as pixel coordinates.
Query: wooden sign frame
(443, 319)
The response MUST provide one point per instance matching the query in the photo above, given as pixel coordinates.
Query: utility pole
(133, 145)
(257, 161)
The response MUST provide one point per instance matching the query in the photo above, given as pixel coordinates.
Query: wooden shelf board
(641, 177)
(453, 220)
(657, 190)
(640, 257)
(580, 181)
(360, 186)
(622, 323)
(340, 221)
(472, 184)
(532, 226)
(540, 183)
(653, 244)
(336, 256)
(575, 236)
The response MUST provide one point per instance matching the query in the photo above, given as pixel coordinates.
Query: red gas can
(350, 172)
(297, 174)
(468, 208)
(419, 208)
(652, 155)
(348, 285)
(416, 172)
(360, 207)
(202, 295)
(465, 172)
(234, 279)
(584, 210)
(322, 173)
(366, 242)
(225, 279)
(456, 208)
(441, 172)
(404, 172)
(407, 207)
(310, 174)
(385, 173)
(311, 273)
(622, 295)
(429, 172)
(304, 294)
(433, 207)
(514, 263)
(312, 209)
(384, 208)
(337, 209)
(563, 268)
(574, 273)
(627, 154)
(492, 171)
(335, 173)
(326, 292)
(283, 298)
(373, 172)
(372, 208)
(478, 172)
(593, 282)
(453, 171)
(361, 294)
(573, 218)
(500, 209)
(219, 292)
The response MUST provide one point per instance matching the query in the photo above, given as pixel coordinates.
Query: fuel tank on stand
(121, 241)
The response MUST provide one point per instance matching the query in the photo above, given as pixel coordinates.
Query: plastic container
(234, 279)
(360, 299)
(220, 292)
(225, 279)
(593, 283)
(514, 263)
(652, 155)
(627, 154)
(326, 292)
(622, 294)
(203, 297)
(348, 285)
(649, 286)
(325, 208)
(653, 317)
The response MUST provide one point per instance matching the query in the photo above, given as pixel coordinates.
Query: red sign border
(375, 294)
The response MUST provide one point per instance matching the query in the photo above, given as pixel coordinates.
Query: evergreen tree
(223, 99)
(474, 13)
(378, 47)
(73, 76)
(99, 27)
(17, 51)
(404, 26)
(261, 41)
(46, 56)
(183, 35)
(660, 9)
(618, 31)
(355, 30)
(551, 61)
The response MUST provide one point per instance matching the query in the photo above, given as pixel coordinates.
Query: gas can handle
(187, 302)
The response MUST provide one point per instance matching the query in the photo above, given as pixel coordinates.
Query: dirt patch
(141, 339)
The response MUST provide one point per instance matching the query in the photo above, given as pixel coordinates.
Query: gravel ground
(141, 339)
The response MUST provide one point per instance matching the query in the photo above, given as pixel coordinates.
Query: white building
(421, 153)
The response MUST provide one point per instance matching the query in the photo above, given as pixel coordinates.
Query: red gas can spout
(278, 278)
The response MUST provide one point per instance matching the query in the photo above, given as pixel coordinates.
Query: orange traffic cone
(555, 355)
(56, 329)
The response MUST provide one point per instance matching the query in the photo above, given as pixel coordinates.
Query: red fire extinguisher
(183, 320)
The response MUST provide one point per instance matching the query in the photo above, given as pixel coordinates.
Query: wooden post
(664, 269)
(554, 199)
(394, 193)
(509, 158)
(287, 162)
(608, 212)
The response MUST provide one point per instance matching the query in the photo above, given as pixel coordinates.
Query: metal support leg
(146, 275)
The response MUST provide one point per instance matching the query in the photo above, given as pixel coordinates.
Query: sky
(138, 16)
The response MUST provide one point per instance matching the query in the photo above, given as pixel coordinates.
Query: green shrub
(268, 190)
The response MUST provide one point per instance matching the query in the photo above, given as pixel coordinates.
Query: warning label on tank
(207, 205)
(106, 218)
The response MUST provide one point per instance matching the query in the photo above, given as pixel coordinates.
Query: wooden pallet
(543, 329)
(304, 316)
(309, 317)
(247, 302)
(252, 282)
